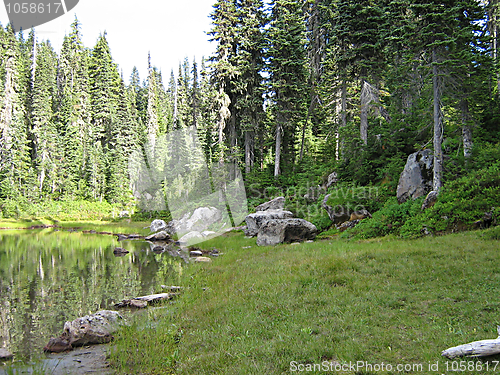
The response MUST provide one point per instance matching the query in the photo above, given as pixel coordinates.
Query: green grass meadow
(255, 310)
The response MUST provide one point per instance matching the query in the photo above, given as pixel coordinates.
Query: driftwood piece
(172, 287)
(481, 348)
(141, 302)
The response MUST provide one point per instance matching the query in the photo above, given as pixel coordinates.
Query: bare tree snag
(481, 348)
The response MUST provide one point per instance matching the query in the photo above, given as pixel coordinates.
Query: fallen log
(172, 288)
(481, 348)
(141, 302)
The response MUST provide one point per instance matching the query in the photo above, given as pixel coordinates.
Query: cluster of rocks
(343, 218)
(273, 225)
(191, 228)
(415, 181)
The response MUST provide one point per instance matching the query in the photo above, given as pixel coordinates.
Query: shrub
(460, 203)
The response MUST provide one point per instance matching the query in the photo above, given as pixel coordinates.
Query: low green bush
(460, 204)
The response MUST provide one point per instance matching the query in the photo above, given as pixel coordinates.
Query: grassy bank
(255, 310)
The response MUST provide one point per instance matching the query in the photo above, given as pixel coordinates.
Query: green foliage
(460, 204)
(61, 210)
(492, 234)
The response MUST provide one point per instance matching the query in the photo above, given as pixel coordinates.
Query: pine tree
(46, 150)
(436, 25)
(288, 77)
(15, 163)
(73, 114)
(105, 89)
(121, 144)
(225, 71)
(249, 86)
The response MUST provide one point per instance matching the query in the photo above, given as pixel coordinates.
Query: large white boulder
(256, 220)
(276, 231)
(416, 179)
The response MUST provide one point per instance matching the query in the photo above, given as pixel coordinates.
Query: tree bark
(249, 150)
(481, 348)
(438, 127)
(466, 129)
(309, 111)
(342, 115)
(363, 129)
(277, 158)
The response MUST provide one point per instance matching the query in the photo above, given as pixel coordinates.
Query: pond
(54, 275)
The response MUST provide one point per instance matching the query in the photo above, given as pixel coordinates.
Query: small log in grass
(481, 348)
(140, 302)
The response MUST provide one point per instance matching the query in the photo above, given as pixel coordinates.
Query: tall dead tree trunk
(277, 158)
(363, 127)
(249, 150)
(309, 111)
(342, 115)
(466, 129)
(438, 127)
(493, 6)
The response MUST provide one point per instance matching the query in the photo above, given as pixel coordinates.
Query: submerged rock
(160, 236)
(120, 250)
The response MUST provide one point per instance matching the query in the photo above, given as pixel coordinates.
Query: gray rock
(276, 231)
(5, 354)
(160, 236)
(274, 204)
(203, 218)
(208, 233)
(157, 225)
(256, 220)
(200, 220)
(332, 179)
(120, 250)
(430, 200)
(338, 214)
(191, 238)
(416, 179)
(90, 329)
(348, 224)
(124, 214)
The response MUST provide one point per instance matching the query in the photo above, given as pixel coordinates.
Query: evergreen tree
(225, 71)
(105, 89)
(73, 114)
(288, 77)
(249, 85)
(15, 163)
(46, 150)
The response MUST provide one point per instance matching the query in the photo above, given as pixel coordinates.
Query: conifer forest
(294, 91)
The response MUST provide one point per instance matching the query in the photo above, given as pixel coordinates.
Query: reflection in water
(48, 277)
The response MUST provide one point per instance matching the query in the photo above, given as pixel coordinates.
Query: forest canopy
(294, 91)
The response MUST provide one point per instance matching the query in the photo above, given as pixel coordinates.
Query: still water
(50, 276)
